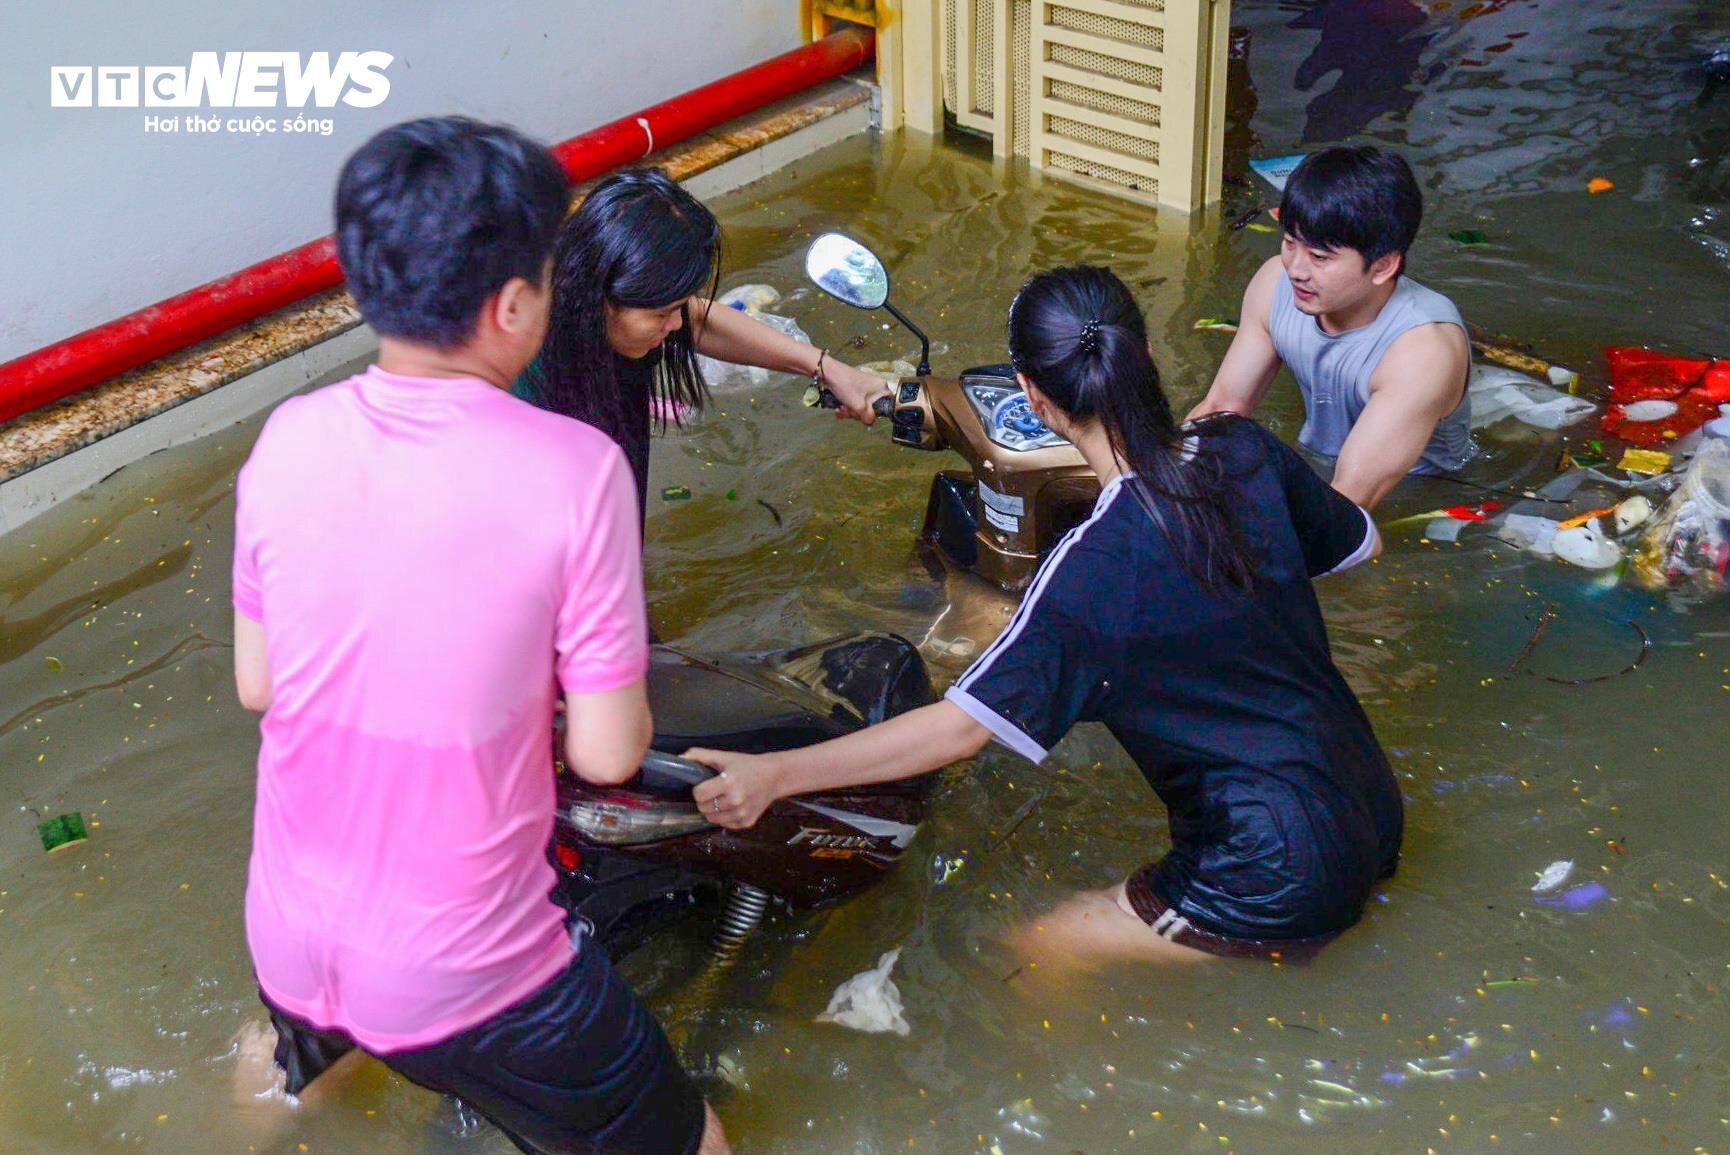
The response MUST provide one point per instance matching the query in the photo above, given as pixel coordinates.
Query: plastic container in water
(1689, 543)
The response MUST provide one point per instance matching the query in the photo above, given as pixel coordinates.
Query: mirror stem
(924, 369)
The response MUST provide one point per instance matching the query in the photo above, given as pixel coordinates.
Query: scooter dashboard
(1007, 416)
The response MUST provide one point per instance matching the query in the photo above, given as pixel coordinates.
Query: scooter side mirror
(850, 272)
(847, 271)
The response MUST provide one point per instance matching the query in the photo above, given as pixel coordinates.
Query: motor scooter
(629, 856)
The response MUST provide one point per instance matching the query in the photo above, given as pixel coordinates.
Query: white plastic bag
(724, 376)
(1498, 393)
(869, 1001)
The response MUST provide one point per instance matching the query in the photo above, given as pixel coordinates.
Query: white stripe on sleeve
(1365, 548)
(1001, 728)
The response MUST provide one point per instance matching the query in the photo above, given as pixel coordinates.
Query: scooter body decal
(900, 832)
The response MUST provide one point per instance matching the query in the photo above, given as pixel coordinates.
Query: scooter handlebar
(668, 773)
(884, 406)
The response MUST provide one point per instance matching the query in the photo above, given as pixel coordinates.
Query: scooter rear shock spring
(744, 913)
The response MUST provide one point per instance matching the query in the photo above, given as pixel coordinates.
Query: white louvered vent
(1124, 94)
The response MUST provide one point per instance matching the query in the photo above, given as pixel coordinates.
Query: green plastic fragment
(676, 493)
(1469, 237)
(55, 664)
(732, 495)
(63, 830)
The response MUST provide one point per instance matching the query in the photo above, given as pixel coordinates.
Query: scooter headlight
(627, 822)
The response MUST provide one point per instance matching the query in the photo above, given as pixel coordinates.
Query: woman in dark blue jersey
(1181, 614)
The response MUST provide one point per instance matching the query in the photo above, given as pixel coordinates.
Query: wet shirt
(1283, 810)
(432, 560)
(1333, 370)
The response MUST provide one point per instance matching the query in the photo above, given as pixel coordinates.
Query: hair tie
(1089, 335)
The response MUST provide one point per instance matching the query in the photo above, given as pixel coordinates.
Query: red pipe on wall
(85, 359)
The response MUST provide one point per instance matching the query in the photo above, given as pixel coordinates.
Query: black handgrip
(882, 407)
(670, 774)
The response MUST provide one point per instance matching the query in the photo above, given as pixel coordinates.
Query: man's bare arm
(607, 733)
(1251, 363)
(1420, 380)
(251, 669)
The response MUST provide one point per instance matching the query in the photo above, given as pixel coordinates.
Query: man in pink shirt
(423, 566)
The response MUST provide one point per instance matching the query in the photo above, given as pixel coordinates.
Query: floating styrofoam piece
(1445, 529)
(1554, 875)
(1587, 547)
(1632, 513)
(869, 1001)
(1529, 532)
(1652, 409)
(1276, 170)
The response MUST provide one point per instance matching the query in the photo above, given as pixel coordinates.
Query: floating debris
(1599, 184)
(1554, 875)
(1469, 237)
(61, 831)
(1576, 898)
(1648, 461)
(1276, 169)
(869, 1001)
(676, 493)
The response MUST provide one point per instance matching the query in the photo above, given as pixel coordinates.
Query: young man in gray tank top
(1382, 362)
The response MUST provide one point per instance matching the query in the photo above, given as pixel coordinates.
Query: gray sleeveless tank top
(1334, 372)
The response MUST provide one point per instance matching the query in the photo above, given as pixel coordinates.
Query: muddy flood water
(1466, 1012)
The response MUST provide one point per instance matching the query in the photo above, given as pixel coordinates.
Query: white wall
(99, 217)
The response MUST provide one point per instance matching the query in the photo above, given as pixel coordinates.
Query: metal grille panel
(1064, 162)
(1109, 27)
(1118, 142)
(1131, 70)
(1021, 42)
(1071, 93)
(949, 56)
(984, 58)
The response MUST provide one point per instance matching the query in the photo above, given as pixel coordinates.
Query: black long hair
(1078, 335)
(637, 241)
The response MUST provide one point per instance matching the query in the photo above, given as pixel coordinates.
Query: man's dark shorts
(579, 1066)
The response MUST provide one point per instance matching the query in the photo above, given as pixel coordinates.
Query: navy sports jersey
(1284, 812)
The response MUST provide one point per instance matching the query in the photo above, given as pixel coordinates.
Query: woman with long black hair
(1181, 614)
(634, 275)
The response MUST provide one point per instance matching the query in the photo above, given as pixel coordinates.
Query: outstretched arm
(726, 334)
(917, 741)
(1251, 363)
(1420, 380)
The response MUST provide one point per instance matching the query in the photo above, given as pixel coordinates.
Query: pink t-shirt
(432, 559)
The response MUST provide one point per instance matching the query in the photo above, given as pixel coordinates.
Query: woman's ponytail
(1077, 334)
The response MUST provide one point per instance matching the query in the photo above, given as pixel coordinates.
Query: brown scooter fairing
(1024, 489)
